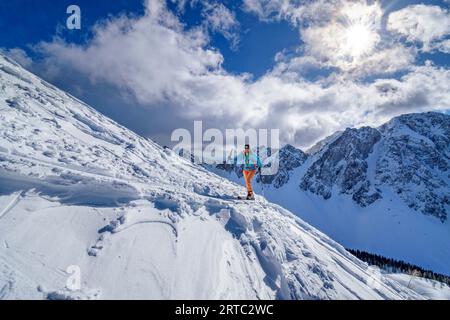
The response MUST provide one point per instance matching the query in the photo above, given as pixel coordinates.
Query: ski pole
(262, 184)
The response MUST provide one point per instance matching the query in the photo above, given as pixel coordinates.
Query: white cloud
(18, 55)
(150, 55)
(387, 61)
(444, 46)
(222, 20)
(424, 24)
(217, 18)
(328, 107)
(262, 8)
(294, 11)
(339, 34)
(157, 61)
(180, 4)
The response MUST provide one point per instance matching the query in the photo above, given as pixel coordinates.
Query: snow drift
(138, 221)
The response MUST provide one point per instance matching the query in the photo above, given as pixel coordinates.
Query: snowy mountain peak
(319, 145)
(409, 154)
(343, 164)
(289, 152)
(416, 160)
(289, 158)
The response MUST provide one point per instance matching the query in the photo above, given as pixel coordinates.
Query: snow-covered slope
(384, 190)
(429, 288)
(80, 192)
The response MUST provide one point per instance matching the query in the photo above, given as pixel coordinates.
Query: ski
(245, 198)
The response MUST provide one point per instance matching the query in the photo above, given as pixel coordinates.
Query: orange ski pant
(248, 176)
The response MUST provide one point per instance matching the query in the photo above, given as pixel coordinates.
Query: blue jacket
(250, 161)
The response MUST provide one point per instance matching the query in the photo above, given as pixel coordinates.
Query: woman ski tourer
(251, 163)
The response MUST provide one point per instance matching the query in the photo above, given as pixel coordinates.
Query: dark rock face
(416, 161)
(343, 164)
(289, 159)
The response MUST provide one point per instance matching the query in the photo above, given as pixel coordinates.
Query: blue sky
(27, 22)
(246, 63)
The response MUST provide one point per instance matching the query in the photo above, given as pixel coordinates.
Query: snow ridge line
(11, 204)
(134, 182)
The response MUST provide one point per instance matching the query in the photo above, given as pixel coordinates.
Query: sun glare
(358, 40)
(360, 30)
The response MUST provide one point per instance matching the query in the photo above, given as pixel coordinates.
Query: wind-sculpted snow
(138, 221)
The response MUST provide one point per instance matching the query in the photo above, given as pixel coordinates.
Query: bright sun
(360, 30)
(358, 40)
